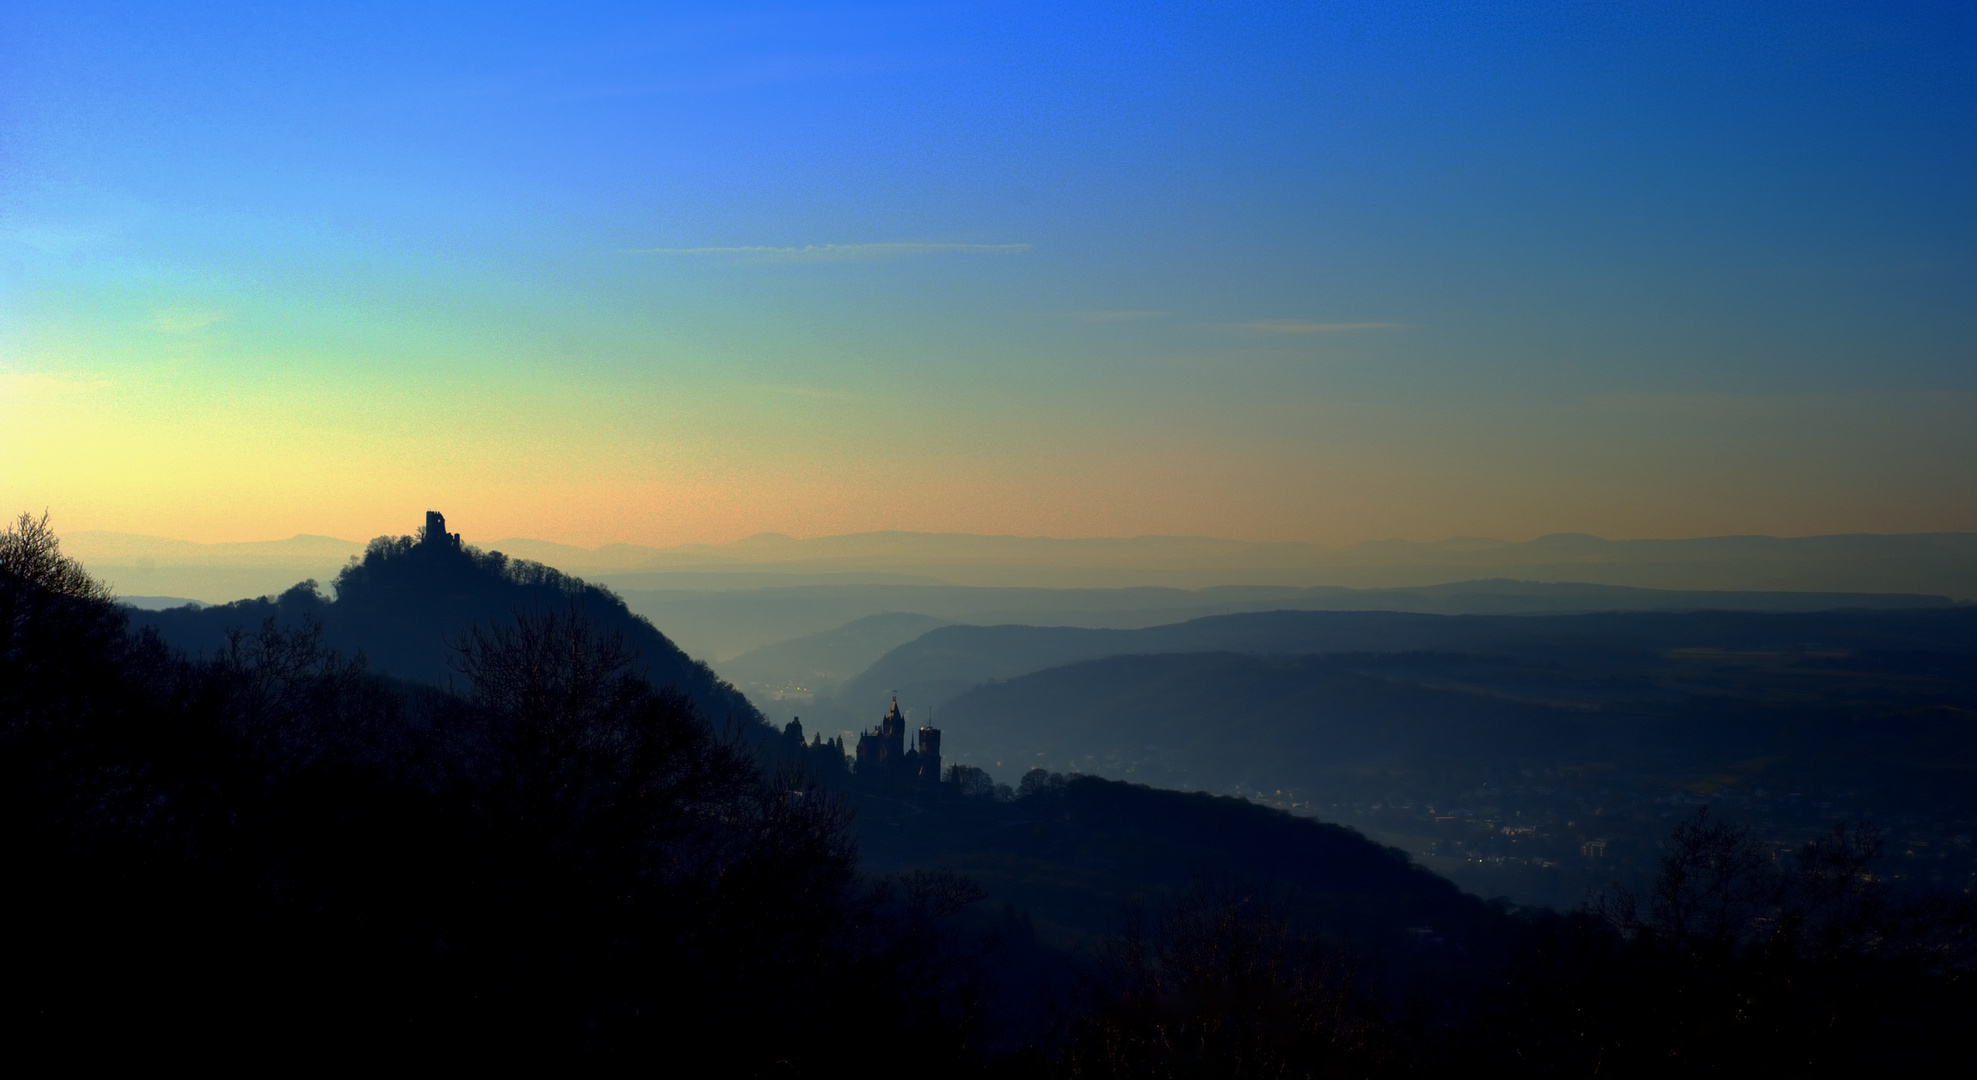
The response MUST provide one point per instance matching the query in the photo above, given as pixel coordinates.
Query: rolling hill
(1544, 761)
(405, 604)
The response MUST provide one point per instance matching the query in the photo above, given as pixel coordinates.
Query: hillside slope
(1078, 853)
(405, 605)
(1538, 772)
(944, 663)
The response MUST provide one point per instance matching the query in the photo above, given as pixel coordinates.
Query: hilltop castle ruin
(435, 534)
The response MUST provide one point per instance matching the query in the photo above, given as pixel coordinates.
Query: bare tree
(1714, 886)
(29, 550)
(577, 727)
(1229, 984)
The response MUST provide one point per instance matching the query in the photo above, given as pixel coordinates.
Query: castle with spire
(883, 750)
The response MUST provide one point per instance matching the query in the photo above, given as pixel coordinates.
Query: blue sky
(655, 274)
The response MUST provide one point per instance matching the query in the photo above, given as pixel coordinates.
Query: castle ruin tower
(435, 534)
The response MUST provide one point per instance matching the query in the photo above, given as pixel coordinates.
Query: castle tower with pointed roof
(883, 750)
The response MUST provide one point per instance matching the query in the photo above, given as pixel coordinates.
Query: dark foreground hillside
(273, 856)
(269, 855)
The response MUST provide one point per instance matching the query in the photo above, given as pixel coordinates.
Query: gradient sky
(1329, 272)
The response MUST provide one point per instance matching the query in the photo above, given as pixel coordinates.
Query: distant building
(435, 534)
(883, 750)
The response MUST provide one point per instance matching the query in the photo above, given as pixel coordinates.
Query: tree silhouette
(1227, 983)
(30, 552)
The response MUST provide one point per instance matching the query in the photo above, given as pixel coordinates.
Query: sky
(664, 274)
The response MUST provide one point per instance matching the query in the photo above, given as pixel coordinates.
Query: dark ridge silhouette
(406, 602)
(1072, 850)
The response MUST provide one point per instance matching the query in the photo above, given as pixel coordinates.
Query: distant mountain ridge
(132, 549)
(1934, 563)
(724, 624)
(1944, 563)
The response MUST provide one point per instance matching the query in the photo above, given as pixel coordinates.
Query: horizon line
(60, 534)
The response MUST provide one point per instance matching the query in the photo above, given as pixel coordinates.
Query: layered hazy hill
(727, 626)
(1534, 756)
(1237, 715)
(864, 662)
(1938, 563)
(817, 663)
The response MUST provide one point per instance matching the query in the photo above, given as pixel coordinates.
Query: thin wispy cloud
(813, 392)
(822, 253)
(1116, 316)
(1299, 326)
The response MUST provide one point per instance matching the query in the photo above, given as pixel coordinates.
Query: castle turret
(930, 754)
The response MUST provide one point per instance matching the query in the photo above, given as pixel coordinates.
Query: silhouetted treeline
(1225, 982)
(1733, 964)
(269, 853)
(1729, 966)
(1326, 959)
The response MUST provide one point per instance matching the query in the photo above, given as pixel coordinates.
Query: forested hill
(406, 604)
(944, 663)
